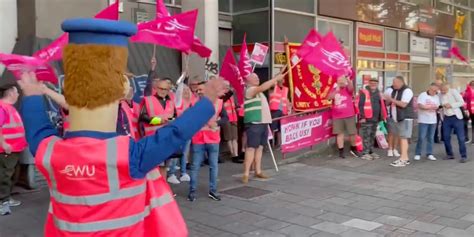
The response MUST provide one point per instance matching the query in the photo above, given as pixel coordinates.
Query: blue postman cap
(98, 31)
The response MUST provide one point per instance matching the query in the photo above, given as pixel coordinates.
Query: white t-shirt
(406, 97)
(427, 116)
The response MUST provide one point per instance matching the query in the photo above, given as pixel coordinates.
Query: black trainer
(341, 153)
(354, 152)
(214, 196)
(191, 197)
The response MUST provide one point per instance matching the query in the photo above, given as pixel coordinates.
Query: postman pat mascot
(103, 184)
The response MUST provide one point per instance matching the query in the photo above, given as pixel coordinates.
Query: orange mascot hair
(94, 74)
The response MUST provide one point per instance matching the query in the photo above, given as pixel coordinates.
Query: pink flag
(457, 52)
(161, 10)
(54, 50)
(173, 32)
(197, 46)
(326, 54)
(230, 72)
(245, 66)
(18, 64)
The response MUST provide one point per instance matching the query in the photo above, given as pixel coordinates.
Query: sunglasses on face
(163, 89)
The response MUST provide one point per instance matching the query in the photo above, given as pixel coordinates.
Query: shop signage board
(299, 132)
(427, 21)
(370, 37)
(420, 45)
(442, 47)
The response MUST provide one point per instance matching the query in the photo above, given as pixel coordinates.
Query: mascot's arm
(36, 121)
(149, 152)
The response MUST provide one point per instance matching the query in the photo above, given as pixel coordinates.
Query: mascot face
(95, 61)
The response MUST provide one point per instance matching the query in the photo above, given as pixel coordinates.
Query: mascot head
(95, 61)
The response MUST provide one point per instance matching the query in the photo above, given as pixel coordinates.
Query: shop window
(461, 2)
(391, 66)
(224, 5)
(370, 64)
(341, 30)
(297, 5)
(444, 6)
(391, 40)
(472, 23)
(404, 42)
(418, 2)
(244, 5)
(404, 66)
(472, 52)
(177, 2)
(285, 25)
(256, 25)
(462, 22)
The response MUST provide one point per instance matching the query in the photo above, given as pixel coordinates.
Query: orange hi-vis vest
(208, 135)
(154, 109)
(13, 130)
(92, 193)
(278, 98)
(132, 117)
(229, 106)
(368, 111)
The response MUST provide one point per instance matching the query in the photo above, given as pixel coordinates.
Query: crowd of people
(397, 108)
(244, 128)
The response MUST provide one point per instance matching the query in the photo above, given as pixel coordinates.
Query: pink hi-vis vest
(92, 193)
(132, 117)
(229, 106)
(185, 104)
(13, 130)
(208, 135)
(279, 96)
(154, 109)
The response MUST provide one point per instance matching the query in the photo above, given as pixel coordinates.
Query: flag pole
(154, 50)
(292, 66)
(271, 152)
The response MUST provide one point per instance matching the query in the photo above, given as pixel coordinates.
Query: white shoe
(185, 178)
(395, 153)
(431, 157)
(390, 153)
(417, 157)
(399, 163)
(173, 180)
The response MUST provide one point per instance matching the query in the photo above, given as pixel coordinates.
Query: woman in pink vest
(279, 107)
(469, 99)
(12, 142)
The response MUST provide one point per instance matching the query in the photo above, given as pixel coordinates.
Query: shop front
(381, 53)
(421, 61)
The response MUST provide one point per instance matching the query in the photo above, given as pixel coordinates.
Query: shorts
(405, 128)
(276, 123)
(392, 127)
(257, 135)
(344, 126)
(230, 132)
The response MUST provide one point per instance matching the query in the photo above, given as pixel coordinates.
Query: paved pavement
(316, 196)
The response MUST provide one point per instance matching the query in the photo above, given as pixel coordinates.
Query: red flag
(230, 72)
(18, 64)
(457, 52)
(327, 55)
(54, 50)
(161, 10)
(173, 32)
(245, 66)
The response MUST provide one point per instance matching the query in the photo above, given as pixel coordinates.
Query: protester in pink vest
(12, 142)
(469, 99)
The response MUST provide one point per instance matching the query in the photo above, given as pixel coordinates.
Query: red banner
(304, 131)
(309, 86)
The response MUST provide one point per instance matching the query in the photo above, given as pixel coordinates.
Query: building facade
(384, 38)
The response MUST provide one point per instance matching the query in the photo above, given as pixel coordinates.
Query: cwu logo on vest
(80, 172)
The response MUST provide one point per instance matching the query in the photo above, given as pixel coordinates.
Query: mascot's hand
(30, 85)
(214, 89)
(156, 121)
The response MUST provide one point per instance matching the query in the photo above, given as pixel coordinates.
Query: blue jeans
(199, 151)
(425, 132)
(182, 161)
(450, 123)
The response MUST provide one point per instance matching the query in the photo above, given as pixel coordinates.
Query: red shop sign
(370, 37)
